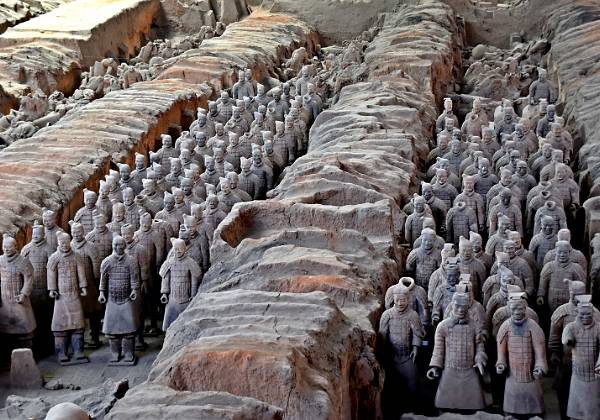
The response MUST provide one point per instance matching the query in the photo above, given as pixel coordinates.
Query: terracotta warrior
(414, 222)
(140, 171)
(150, 200)
(504, 313)
(582, 338)
(50, 228)
(442, 296)
(37, 253)
(418, 298)
(475, 120)
(460, 221)
(423, 261)
(101, 237)
(16, 283)
(544, 124)
(576, 255)
(563, 316)
(476, 310)
(67, 284)
(243, 87)
(519, 266)
(166, 152)
(234, 180)
(438, 241)
(401, 334)
(442, 189)
(473, 200)
(484, 179)
(541, 88)
(169, 213)
(459, 358)
(470, 265)
(507, 208)
(88, 255)
(478, 252)
(225, 107)
(447, 114)
(263, 172)
(118, 218)
(127, 181)
(248, 181)
(85, 215)
(550, 209)
(436, 206)
(567, 188)
(119, 280)
(181, 276)
(103, 203)
(522, 355)
(552, 289)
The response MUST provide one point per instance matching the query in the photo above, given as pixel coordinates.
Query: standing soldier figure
(66, 283)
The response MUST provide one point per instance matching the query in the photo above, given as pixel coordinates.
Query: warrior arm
(539, 346)
(104, 269)
(52, 274)
(439, 348)
(544, 280)
(554, 338)
(502, 346)
(568, 335)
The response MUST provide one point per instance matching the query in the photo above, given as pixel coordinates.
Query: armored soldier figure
(456, 355)
(576, 255)
(263, 173)
(401, 334)
(552, 289)
(473, 200)
(118, 218)
(181, 277)
(150, 200)
(132, 210)
(495, 242)
(521, 354)
(478, 252)
(101, 237)
(469, 265)
(234, 180)
(475, 120)
(582, 337)
(166, 152)
(169, 213)
(460, 221)
(103, 203)
(248, 181)
(50, 228)
(508, 209)
(543, 241)
(438, 277)
(503, 313)
(484, 179)
(37, 253)
(414, 222)
(550, 209)
(88, 254)
(423, 261)
(85, 215)
(442, 296)
(492, 283)
(119, 280)
(440, 123)
(127, 181)
(436, 206)
(442, 189)
(67, 283)
(210, 175)
(213, 215)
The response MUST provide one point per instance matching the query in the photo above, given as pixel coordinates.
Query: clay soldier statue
(562, 316)
(541, 88)
(500, 298)
(484, 179)
(492, 283)
(150, 200)
(85, 215)
(50, 228)
(495, 242)
(478, 252)
(582, 337)
(181, 277)
(418, 298)
(181, 205)
(414, 222)
(101, 237)
(552, 210)
(197, 244)
(447, 114)
(440, 150)
(225, 107)
(263, 172)
(16, 281)
(248, 181)
(504, 313)
(144, 265)
(118, 279)
(442, 189)
(576, 255)
(523, 180)
(470, 265)
(423, 261)
(118, 218)
(213, 116)
(243, 87)
(169, 213)
(552, 288)
(281, 107)
(476, 310)
(543, 241)
(401, 334)
(544, 124)
(460, 221)
(520, 251)
(541, 194)
(37, 253)
(221, 166)
(568, 189)
(508, 209)
(202, 127)
(519, 266)
(438, 241)
(442, 296)
(127, 181)
(173, 178)
(132, 210)
(166, 152)
(213, 215)
(189, 193)
(67, 283)
(438, 277)
(506, 181)
(88, 255)
(233, 184)
(443, 163)
(226, 198)
(473, 200)
(236, 124)
(456, 355)
(210, 175)
(475, 120)
(522, 354)
(281, 149)
(234, 151)
(139, 173)
(103, 203)
(437, 207)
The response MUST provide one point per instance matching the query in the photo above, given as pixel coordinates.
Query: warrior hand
(597, 370)
(83, 291)
(413, 353)
(555, 359)
(19, 298)
(102, 298)
(53, 294)
(500, 369)
(540, 301)
(538, 373)
(133, 295)
(480, 367)
(164, 299)
(433, 373)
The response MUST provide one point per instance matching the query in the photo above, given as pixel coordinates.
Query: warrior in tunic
(85, 215)
(423, 261)
(561, 356)
(16, 283)
(119, 280)
(552, 289)
(50, 228)
(522, 354)
(37, 253)
(67, 283)
(101, 237)
(402, 334)
(88, 254)
(457, 356)
(582, 337)
(181, 276)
